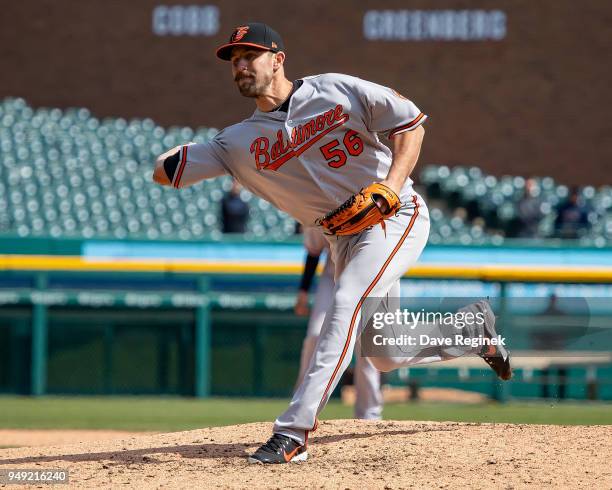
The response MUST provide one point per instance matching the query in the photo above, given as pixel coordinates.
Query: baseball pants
(368, 402)
(368, 265)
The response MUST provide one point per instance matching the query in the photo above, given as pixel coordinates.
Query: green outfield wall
(71, 323)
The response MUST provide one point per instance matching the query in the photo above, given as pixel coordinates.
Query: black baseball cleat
(280, 449)
(496, 356)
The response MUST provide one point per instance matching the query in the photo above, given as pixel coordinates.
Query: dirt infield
(343, 454)
(29, 437)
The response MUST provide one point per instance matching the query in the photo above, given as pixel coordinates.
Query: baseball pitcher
(312, 148)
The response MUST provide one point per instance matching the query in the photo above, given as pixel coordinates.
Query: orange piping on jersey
(407, 126)
(179, 173)
(365, 295)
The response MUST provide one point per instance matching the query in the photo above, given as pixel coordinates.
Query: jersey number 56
(336, 157)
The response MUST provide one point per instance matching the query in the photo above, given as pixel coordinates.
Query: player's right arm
(186, 165)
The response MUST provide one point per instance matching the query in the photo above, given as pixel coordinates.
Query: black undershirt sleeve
(170, 165)
(310, 267)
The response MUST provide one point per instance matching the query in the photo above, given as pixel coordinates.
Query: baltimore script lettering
(302, 138)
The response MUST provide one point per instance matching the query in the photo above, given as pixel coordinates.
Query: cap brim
(225, 51)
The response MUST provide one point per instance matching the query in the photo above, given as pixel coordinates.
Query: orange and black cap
(254, 35)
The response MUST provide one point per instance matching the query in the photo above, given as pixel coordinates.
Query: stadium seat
(495, 201)
(99, 186)
(67, 173)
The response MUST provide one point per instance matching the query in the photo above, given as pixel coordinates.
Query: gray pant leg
(369, 400)
(410, 356)
(322, 303)
(368, 265)
(368, 403)
(322, 300)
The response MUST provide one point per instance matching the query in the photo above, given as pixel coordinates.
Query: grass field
(174, 414)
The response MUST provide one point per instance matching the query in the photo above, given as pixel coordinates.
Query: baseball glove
(370, 206)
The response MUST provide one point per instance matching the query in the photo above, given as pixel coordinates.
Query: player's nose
(240, 64)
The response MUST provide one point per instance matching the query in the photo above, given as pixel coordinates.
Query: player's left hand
(371, 206)
(382, 204)
(394, 186)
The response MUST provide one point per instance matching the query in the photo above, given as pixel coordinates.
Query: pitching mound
(30, 437)
(343, 454)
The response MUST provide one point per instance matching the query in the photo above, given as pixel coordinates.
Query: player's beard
(249, 86)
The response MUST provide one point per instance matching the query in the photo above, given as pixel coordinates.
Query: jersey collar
(304, 92)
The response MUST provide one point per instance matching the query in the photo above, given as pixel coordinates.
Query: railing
(38, 270)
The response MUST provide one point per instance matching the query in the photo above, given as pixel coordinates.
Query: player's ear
(279, 60)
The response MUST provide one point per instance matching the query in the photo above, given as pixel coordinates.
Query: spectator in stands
(572, 217)
(529, 210)
(234, 211)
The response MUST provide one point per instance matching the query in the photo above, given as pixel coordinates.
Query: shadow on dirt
(197, 450)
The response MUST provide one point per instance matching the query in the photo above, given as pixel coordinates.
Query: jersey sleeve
(198, 161)
(387, 111)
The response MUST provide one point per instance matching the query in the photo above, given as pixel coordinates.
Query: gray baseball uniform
(306, 162)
